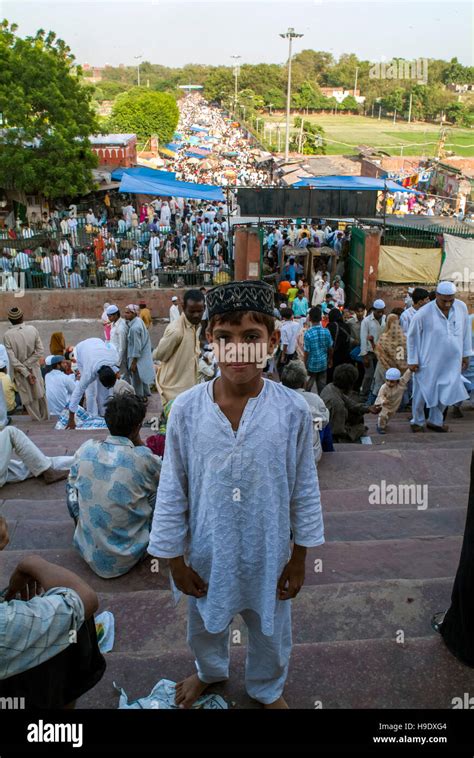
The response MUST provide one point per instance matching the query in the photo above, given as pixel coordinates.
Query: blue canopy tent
(196, 128)
(196, 154)
(167, 188)
(142, 172)
(351, 182)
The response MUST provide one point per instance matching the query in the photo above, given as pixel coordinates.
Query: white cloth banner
(458, 266)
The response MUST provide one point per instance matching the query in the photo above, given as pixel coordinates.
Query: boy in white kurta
(238, 476)
(390, 396)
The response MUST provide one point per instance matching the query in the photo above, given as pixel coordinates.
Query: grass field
(345, 132)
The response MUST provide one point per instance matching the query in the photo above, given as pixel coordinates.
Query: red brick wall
(85, 303)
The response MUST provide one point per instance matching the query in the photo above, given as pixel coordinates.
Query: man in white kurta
(92, 355)
(438, 348)
(118, 336)
(228, 502)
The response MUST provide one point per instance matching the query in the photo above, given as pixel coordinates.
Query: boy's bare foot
(280, 703)
(189, 690)
(52, 475)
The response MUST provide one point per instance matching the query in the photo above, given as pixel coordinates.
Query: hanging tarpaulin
(407, 265)
(171, 188)
(458, 260)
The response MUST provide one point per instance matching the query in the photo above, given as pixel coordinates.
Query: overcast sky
(174, 32)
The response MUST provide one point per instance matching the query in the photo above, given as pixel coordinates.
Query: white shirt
(174, 313)
(46, 264)
(289, 331)
(370, 327)
(406, 318)
(118, 338)
(337, 295)
(59, 389)
(91, 354)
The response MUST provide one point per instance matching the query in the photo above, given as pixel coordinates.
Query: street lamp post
(290, 35)
(137, 58)
(236, 58)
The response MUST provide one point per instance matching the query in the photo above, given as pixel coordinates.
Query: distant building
(115, 150)
(340, 94)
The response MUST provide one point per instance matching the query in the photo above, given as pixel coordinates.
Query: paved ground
(361, 625)
(76, 330)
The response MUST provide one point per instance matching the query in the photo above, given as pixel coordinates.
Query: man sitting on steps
(49, 653)
(112, 492)
(32, 461)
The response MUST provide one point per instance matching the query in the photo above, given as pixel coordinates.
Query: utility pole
(290, 35)
(300, 140)
(380, 112)
(236, 59)
(373, 109)
(409, 107)
(395, 116)
(355, 82)
(137, 58)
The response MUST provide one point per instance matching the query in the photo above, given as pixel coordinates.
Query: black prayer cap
(241, 296)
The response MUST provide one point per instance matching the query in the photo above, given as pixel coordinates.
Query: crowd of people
(231, 155)
(130, 249)
(256, 384)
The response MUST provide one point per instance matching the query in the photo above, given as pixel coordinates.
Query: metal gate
(356, 260)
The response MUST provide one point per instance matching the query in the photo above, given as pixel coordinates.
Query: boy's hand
(186, 579)
(292, 578)
(374, 408)
(23, 583)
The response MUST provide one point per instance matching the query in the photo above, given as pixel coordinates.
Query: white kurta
(437, 345)
(118, 338)
(91, 354)
(229, 500)
(59, 389)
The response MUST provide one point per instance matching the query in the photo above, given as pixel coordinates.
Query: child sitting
(390, 396)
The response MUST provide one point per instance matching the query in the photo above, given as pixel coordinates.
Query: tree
(350, 104)
(312, 138)
(46, 109)
(219, 83)
(458, 114)
(145, 112)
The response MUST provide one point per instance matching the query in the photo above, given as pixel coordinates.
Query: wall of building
(85, 303)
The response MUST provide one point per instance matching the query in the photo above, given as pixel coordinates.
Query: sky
(175, 32)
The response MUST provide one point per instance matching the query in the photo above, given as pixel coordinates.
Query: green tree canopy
(47, 116)
(145, 113)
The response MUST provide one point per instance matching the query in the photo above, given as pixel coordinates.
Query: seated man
(112, 491)
(346, 414)
(59, 385)
(295, 377)
(32, 461)
(48, 643)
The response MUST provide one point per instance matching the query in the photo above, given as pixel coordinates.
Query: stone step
(331, 563)
(150, 622)
(46, 510)
(344, 500)
(421, 673)
(391, 523)
(27, 533)
(35, 490)
(139, 578)
(402, 442)
(345, 470)
(30, 534)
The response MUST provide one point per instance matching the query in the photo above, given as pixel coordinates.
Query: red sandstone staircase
(385, 569)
